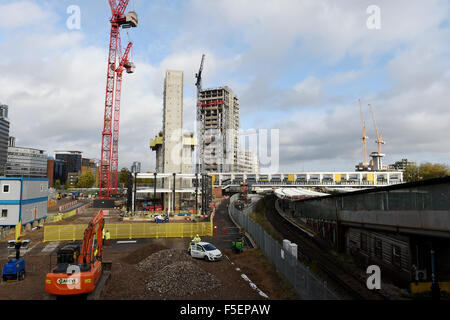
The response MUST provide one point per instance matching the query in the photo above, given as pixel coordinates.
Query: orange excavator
(79, 268)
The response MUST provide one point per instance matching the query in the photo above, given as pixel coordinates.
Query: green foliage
(425, 171)
(411, 173)
(123, 176)
(86, 180)
(433, 170)
(57, 184)
(145, 181)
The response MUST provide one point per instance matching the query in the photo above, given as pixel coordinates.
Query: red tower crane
(109, 157)
(124, 64)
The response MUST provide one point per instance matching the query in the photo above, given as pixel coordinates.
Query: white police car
(205, 250)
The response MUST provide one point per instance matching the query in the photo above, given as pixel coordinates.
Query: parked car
(161, 219)
(205, 250)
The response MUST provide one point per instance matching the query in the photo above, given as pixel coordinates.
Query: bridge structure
(186, 183)
(358, 179)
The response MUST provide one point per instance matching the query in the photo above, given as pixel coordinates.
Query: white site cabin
(23, 199)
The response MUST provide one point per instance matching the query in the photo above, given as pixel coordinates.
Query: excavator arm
(92, 240)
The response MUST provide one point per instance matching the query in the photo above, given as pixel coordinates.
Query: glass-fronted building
(26, 162)
(72, 160)
(4, 137)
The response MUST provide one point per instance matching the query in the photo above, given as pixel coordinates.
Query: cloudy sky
(298, 66)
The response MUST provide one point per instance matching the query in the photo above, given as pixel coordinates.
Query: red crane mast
(124, 64)
(109, 160)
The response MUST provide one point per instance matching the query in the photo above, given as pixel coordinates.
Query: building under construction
(173, 147)
(218, 118)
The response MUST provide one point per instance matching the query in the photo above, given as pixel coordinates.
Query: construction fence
(62, 216)
(131, 231)
(165, 212)
(299, 276)
(67, 205)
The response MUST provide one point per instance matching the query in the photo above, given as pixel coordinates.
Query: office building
(4, 137)
(400, 165)
(55, 171)
(26, 162)
(72, 160)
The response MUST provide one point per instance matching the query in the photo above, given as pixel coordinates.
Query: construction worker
(194, 241)
(107, 237)
(103, 242)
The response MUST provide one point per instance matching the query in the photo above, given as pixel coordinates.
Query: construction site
(140, 261)
(112, 246)
(207, 223)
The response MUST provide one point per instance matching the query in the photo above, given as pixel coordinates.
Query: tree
(123, 176)
(425, 171)
(433, 170)
(411, 173)
(86, 180)
(57, 184)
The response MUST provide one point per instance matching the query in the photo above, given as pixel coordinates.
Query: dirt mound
(162, 258)
(142, 253)
(182, 279)
(174, 272)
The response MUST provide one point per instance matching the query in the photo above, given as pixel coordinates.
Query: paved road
(225, 230)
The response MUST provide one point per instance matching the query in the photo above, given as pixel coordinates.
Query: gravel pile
(160, 259)
(182, 279)
(176, 273)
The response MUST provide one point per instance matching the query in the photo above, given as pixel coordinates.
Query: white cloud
(55, 83)
(21, 14)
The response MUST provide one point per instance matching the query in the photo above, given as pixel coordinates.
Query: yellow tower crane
(364, 137)
(379, 140)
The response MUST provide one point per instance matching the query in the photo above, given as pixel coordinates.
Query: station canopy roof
(297, 193)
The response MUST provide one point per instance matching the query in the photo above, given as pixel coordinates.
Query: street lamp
(135, 168)
(173, 195)
(196, 193)
(154, 192)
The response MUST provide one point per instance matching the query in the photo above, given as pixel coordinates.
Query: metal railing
(299, 276)
(236, 183)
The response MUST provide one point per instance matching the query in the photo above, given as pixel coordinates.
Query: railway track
(349, 285)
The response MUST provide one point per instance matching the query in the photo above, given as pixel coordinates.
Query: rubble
(182, 279)
(174, 272)
(162, 258)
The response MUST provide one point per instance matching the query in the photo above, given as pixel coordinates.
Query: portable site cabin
(23, 199)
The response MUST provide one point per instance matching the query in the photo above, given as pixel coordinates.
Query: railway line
(347, 284)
